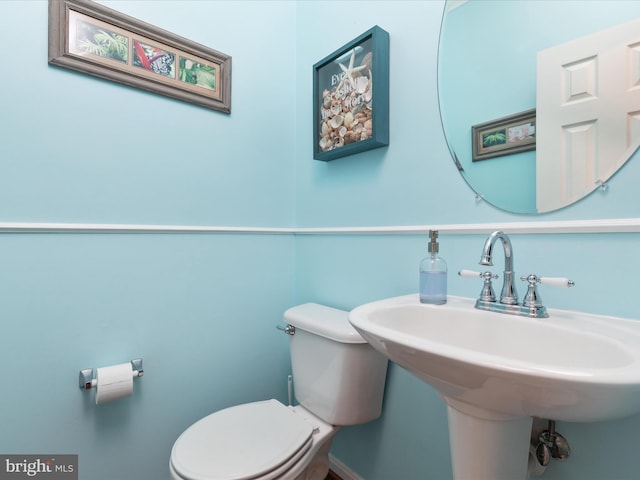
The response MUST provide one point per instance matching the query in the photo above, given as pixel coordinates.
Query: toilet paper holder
(87, 379)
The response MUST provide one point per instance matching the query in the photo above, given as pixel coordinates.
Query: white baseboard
(344, 472)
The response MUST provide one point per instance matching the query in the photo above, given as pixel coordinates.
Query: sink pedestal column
(487, 445)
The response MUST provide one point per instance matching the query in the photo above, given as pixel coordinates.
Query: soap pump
(433, 274)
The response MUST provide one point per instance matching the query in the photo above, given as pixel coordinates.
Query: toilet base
(317, 467)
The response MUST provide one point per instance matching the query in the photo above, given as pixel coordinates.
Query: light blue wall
(200, 309)
(414, 182)
(83, 149)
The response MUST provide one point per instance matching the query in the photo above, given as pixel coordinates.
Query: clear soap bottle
(433, 274)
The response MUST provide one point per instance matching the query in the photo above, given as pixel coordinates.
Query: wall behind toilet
(199, 309)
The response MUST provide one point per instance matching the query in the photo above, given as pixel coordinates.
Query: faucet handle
(487, 293)
(556, 282)
(464, 273)
(532, 298)
(561, 282)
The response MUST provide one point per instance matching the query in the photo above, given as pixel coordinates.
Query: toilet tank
(337, 375)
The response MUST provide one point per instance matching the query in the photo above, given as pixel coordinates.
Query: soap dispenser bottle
(433, 274)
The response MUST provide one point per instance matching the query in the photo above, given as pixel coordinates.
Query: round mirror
(507, 71)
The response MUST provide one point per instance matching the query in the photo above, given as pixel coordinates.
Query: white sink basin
(571, 366)
(497, 371)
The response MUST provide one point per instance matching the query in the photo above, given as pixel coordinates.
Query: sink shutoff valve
(551, 445)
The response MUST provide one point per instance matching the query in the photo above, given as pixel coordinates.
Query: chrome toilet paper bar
(87, 380)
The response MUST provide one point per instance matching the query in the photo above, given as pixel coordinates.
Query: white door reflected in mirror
(587, 112)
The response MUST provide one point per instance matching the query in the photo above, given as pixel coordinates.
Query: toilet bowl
(261, 440)
(338, 379)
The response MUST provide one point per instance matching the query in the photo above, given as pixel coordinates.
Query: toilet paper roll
(114, 382)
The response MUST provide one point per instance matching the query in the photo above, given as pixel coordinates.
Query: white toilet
(338, 380)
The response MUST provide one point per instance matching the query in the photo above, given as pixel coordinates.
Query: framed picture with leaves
(504, 136)
(90, 38)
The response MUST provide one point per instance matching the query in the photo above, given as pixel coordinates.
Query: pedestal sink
(497, 371)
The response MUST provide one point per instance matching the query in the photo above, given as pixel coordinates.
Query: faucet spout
(508, 296)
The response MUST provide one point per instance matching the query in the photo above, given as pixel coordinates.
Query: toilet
(338, 380)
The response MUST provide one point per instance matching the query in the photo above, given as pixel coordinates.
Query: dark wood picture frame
(90, 38)
(504, 136)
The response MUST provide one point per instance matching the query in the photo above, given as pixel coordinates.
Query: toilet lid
(241, 442)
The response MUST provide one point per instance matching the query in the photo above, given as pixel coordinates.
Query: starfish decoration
(350, 70)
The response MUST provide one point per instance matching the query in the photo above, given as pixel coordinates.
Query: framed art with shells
(90, 38)
(351, 97)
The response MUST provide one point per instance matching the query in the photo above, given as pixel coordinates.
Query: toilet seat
(255, 440)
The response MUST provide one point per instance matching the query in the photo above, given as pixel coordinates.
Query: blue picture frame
(351, 97)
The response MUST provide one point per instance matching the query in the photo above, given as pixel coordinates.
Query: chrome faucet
(531, 305)
(508, 296)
